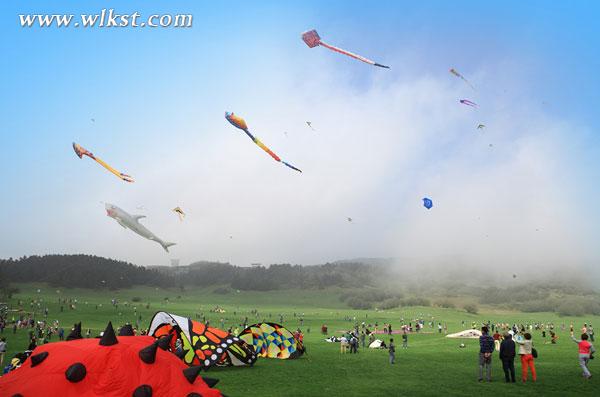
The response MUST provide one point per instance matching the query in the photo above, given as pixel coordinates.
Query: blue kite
(427, 203)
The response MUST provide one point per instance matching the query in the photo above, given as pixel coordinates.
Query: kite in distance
(240, 123)
(481, 126)
(309, 124)
(349, 219)
(427, 203)
(468, 103)
(80, 151)
(179, 212)
(312, 39)
(454, 72)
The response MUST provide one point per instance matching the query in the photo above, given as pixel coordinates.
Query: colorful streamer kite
(312, 39)
(468, 103)
(240, 123)
(454, 72)
(80, 151)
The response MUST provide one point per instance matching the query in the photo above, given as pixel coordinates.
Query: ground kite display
(80, 152)
(109, 366)
(272, 341)
(238, 354)
(200, 345)
(132, 222)
(312, 39)
(240, 123)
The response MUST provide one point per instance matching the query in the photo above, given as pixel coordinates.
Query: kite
(80, 151)
(349, 219)
(481, 126)
(239, 354)
(454, 72)
(179, 212)
(200, 345)
(468, 103)
(308, 123)
(240, 123)
(132, 222)
(427, 203)
(109, 366)
(312, 39)
(272, 341)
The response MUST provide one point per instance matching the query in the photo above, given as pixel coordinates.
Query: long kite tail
(467, 81)
(125, 177)
(291, 166)
(353, 55)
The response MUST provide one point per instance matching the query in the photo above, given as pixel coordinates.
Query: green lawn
(432, 365)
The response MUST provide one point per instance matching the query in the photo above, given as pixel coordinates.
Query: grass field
(432, 365)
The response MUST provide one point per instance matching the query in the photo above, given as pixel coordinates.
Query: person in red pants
(527, 363)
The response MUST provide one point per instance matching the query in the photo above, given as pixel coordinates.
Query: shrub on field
(542, 305)
(471, 308)
(415, 301)
(358, 304)
(445, 303)
(391, 303)
(222, 290)
(136, 299)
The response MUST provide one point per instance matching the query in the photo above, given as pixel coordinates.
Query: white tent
(468, 334)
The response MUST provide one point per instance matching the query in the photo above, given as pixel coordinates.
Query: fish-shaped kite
(240, 123)
(468, 103)
(454, 72)
(312, 39)
(179, 212)
(80, 151)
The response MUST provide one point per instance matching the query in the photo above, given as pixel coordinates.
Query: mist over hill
(364, 283)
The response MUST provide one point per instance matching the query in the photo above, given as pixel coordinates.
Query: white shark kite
(132, 222)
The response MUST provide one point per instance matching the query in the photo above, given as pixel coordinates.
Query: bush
(357, 303)
(391, 303)
(415, 301)
(222, 291)
(471, 308)
(446, 304)
(136, 299)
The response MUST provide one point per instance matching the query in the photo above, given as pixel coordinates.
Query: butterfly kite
(312, 39)
(200, 345)
(80, 151)
(240, 123)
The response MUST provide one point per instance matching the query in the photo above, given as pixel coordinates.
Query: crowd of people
(520, 341)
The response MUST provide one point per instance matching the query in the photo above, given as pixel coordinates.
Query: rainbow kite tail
(291, 166)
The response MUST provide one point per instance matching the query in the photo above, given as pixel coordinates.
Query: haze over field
(384, 139)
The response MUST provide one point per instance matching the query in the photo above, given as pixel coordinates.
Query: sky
(520, 192)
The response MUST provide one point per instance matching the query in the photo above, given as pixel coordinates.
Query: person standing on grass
(2, 350)
(404, 339)
(526, 353)
(392, 351)
(496, 338)
(507, 356)
(486, 348)
(586, 351)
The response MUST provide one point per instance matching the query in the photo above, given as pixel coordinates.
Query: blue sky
(384, 138)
